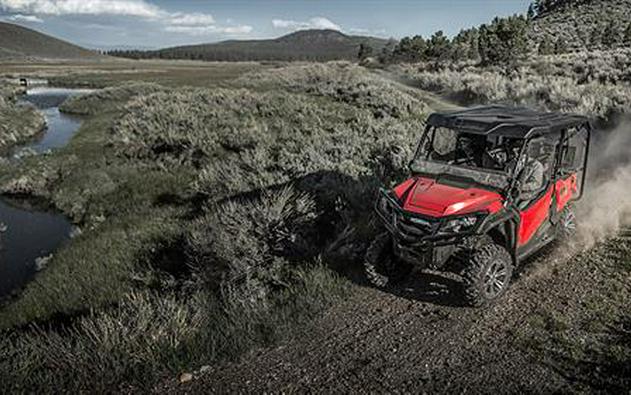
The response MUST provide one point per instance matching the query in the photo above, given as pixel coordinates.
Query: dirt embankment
(416, 337)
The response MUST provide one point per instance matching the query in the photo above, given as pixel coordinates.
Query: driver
(532, 174)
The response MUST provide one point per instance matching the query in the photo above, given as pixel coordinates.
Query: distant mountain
(120, 47)
(17, 42)
(581, 23)
(302, 45)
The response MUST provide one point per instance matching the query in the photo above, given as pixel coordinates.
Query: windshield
(485, 160)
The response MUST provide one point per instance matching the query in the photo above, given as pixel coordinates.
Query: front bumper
(415, 237)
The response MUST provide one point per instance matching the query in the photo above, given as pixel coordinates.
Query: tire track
(382, 342)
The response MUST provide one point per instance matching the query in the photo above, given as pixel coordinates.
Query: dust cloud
(606, 204)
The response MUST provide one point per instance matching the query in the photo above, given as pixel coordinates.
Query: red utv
(490, 186)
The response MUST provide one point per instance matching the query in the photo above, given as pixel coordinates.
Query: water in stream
(27, 234)
(60, 127)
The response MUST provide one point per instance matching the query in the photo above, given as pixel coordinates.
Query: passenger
(532, 179)
(532, 173)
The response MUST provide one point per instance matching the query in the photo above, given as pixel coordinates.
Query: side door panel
(565, 190)
(533, 217)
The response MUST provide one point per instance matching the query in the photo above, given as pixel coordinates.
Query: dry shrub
(132, 344)
(605, 67)
(340, 81)
(591, 83)
(148, 337)
(18, 123)
(282, 182)
(250, 244)
(107, 99)
(243, 140)
(549, 93)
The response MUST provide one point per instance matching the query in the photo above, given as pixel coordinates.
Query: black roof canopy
(513, 122)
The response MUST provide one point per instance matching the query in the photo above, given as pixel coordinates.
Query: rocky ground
(417, 338)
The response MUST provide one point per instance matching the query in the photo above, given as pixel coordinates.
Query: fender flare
(503, 225)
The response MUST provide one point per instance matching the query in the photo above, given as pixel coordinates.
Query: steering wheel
(497, 163)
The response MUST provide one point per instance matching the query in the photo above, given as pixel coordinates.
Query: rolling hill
(302, 45)
(19, 43)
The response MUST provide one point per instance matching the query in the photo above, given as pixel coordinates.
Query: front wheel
(487, 274)
(381, 266)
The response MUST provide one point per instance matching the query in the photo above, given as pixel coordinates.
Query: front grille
(408, 228)
(411, 228)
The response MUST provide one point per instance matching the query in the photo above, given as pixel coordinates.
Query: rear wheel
(382, 267)
(487, 274)
(567, 225)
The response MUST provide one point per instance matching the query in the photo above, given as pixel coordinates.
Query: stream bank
(31, 233)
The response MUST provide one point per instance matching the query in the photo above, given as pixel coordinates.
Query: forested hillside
(319, 45)
(581, 24)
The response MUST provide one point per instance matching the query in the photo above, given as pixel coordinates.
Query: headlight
(458, 225)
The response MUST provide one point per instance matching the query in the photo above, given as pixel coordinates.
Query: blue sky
(159, 23)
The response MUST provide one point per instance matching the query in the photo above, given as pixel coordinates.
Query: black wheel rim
(495, 278)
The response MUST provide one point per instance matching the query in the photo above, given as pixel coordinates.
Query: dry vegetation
(579, 24)
(595, 84)
(17, 123)
(212, 219)
(107, 98)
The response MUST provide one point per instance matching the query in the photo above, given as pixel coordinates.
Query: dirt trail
(415, 338)
(408, 85)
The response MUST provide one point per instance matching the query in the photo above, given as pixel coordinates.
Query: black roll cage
(527, 137)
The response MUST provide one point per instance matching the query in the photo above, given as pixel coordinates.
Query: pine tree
(365, 51)
(531, 12)
(438, 46)
(418, 46)
(465, 45)
(504, 41)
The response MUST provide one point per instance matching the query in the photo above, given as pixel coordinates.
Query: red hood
(425, 196)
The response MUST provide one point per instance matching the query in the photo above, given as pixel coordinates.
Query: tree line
(230, 55)
(503, 41)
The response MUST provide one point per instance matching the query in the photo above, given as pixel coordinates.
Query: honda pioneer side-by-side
(489, 187)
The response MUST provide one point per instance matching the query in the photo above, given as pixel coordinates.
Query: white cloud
(137, 8)
(210, 29)
(176, 22)
(313, 23)
(194, 19)
(24, 18)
